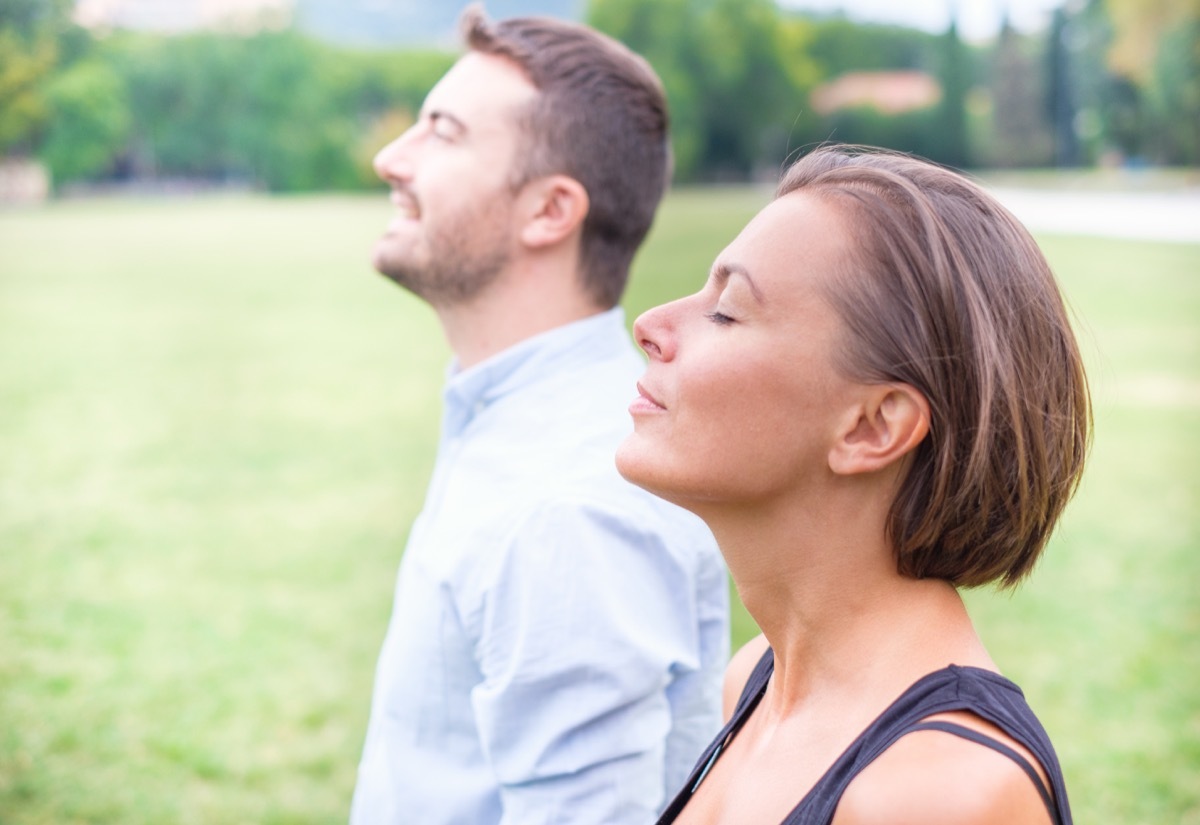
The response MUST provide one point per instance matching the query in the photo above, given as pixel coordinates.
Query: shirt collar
(468, 392)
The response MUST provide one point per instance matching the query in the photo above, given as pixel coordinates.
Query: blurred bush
(1112, 81)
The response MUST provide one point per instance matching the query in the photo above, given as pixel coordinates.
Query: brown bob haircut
(600, 118)
(944, 290)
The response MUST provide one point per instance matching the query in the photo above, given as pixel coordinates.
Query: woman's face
(740, 400)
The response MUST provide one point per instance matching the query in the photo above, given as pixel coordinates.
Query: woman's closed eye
(719, 318)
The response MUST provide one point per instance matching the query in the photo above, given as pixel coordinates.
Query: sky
(977, 19)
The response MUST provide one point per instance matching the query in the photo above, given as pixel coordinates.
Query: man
(558, 636)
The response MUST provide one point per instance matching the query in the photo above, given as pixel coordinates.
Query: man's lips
(645, 402)
(406, 206)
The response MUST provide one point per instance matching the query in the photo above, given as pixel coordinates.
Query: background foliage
(1112, 80)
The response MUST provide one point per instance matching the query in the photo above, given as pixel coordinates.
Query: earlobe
(889, 423)
(557, 206)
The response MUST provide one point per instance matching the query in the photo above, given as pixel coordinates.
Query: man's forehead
(481, 83)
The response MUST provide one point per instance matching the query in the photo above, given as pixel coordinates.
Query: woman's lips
(645, 402)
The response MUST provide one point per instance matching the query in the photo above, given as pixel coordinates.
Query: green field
(216, 424)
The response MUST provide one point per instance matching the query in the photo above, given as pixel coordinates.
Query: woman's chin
(637, 466)
(630, 460)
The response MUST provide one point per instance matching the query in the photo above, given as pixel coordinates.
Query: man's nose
(394, 161)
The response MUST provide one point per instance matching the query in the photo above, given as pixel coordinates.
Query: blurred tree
(736, 74)
(668, 34)
(1139, 27)
(954, 73)
(23, 108)
(34, 18)
(30, 31)
(1060, 92)
(89, 121)
(1111, 121)
(1176, 93)
(186, 95)
(1018, 134)
(1155, 48)
(287, 129)
(914, 131)
(797, 37)
(839, 46)
(748, 102)
(1122, 117)
(274, 109)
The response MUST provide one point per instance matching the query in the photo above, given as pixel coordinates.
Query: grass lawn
(217, 423)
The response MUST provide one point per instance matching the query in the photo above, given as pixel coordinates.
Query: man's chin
(400, 275)
(388, 263)
(392, 273)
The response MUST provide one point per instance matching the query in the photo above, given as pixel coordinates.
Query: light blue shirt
(558, 638)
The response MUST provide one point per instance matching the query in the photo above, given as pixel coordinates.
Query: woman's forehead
(796, 237)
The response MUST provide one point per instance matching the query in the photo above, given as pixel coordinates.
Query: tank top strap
(978, 738)
(983, 693)
(756, 684)
(986, 694)
(747, 701)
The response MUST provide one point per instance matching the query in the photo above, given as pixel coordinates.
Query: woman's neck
(822, 584)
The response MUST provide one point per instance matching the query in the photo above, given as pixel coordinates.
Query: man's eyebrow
(722, 271)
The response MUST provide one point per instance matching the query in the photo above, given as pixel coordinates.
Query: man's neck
(507, 315)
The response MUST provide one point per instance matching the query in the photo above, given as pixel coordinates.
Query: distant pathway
(1155, 216)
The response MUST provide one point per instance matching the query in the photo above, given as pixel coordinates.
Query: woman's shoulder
(933, 776)
(960, 745)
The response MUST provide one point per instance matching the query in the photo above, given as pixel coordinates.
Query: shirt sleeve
(579, 635)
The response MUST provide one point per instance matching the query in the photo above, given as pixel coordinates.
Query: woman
(875, 399)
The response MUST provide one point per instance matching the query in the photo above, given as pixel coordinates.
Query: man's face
(450, 174)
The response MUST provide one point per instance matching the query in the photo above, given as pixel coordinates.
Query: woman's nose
(653, 331)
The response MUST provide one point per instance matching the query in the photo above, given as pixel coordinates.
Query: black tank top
(981, 692)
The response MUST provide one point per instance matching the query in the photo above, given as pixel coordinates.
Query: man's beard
(460, 265)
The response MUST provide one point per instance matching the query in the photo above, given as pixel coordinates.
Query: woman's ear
(555, 208)
(887, 424)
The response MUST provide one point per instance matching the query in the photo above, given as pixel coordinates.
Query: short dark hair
(947, 292)
(600, 118)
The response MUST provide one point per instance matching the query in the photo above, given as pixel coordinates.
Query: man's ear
(889, 422)
(555, 207)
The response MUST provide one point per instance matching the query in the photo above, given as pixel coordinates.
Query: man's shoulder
(605, 383)
(504, 492)
(559, 430)
(619, 507)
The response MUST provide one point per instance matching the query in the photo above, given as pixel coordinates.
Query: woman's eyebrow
(722, 271)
